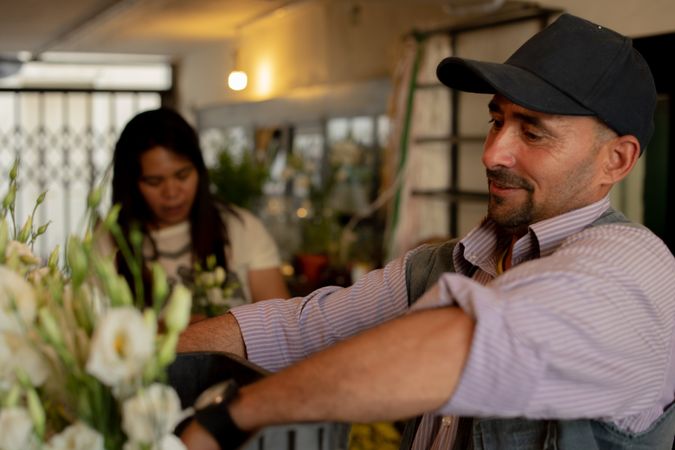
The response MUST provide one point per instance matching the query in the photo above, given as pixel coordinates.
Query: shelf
(430, 86)
(450, 194)
(449, 139)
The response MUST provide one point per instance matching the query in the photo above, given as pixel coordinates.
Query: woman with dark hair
(162, 184)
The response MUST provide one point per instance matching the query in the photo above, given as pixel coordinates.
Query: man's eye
(530, 136)
(496, 123)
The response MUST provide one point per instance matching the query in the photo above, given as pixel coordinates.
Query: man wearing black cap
(551, 325)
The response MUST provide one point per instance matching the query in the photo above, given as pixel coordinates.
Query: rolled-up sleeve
(278, 333)
(584, 332)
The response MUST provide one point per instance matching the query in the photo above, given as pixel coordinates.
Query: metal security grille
(64, 140)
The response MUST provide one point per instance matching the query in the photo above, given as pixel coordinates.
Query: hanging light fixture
(237, 80)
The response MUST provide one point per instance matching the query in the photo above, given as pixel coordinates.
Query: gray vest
(422, 271)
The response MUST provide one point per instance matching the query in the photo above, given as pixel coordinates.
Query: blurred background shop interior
(338, 136)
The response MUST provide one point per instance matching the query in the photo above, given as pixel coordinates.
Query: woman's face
(168, 183)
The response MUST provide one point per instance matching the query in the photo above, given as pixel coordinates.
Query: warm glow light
(301, 212)
(237, 80)
(287, 270)
(263, 75)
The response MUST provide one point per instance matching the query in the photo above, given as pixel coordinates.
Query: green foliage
(240, 182)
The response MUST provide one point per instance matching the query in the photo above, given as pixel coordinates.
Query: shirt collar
(478, 247)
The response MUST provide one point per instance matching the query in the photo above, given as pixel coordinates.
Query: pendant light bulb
(237, 80)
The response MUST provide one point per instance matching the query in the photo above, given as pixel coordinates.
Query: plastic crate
(191, 373)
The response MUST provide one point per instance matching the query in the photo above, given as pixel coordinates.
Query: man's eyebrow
(530, 119)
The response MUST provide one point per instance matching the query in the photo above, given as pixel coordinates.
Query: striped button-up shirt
(581, 326)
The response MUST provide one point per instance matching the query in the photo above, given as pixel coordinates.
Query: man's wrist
(212, 412)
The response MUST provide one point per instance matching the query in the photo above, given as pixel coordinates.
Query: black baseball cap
(572, 67)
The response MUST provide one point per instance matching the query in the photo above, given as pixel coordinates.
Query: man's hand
(195, 437)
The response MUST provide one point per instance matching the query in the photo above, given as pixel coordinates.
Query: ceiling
(164, 27)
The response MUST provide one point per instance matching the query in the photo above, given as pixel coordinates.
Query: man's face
(539, 165)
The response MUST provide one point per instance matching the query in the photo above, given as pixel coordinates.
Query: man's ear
(622, 155)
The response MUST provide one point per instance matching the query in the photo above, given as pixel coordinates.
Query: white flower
(77, 437)
(17, 353)
(151, 414)
(121, 346)
(17, 301)
(168, 442)
(16, 429)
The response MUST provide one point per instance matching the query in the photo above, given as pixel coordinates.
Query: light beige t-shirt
(251, 247)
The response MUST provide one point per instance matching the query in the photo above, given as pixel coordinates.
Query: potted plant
(238, 182)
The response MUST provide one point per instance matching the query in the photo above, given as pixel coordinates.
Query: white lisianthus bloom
(17, 353)
(17, 302)
(16, 429)
(168, 442)
(77, 437)
(151, 414)
(121, 346)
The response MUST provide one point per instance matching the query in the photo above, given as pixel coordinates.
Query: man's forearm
(218, 334)
(400, 369)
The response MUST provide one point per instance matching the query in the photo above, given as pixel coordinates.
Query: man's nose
(500, 149)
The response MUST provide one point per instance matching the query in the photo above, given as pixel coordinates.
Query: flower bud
(219, 275)
(14, 171)
(53, 260)
(26, 230)
(94, 198)
(8, 201)
(135, 237)
(110, 220)
(160, 286)
(167, 349)
(207, 279)
(41, 198)
(4, 237)
(211, 262)
(37, 412)
(150, 319)
(12, 397)
(42, 229)
(120, 293)
(77, 260)
(177, 314)
(49, 326)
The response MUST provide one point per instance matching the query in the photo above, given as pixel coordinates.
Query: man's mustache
(508, 179)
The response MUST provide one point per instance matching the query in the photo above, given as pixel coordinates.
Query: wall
(328, 43)
(313, 44)
(631, 17)
(319, 43)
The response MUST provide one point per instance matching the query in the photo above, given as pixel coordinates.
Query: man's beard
(519, 217)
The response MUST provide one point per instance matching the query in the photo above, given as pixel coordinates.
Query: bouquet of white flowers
(82, 361)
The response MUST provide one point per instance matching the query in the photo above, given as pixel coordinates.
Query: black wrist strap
(217, 421)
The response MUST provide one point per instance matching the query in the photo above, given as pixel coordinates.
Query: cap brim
(517, 85)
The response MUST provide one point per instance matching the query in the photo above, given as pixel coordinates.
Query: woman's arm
(265, 284)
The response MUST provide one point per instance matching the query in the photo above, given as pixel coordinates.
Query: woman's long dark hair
(166, 128)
